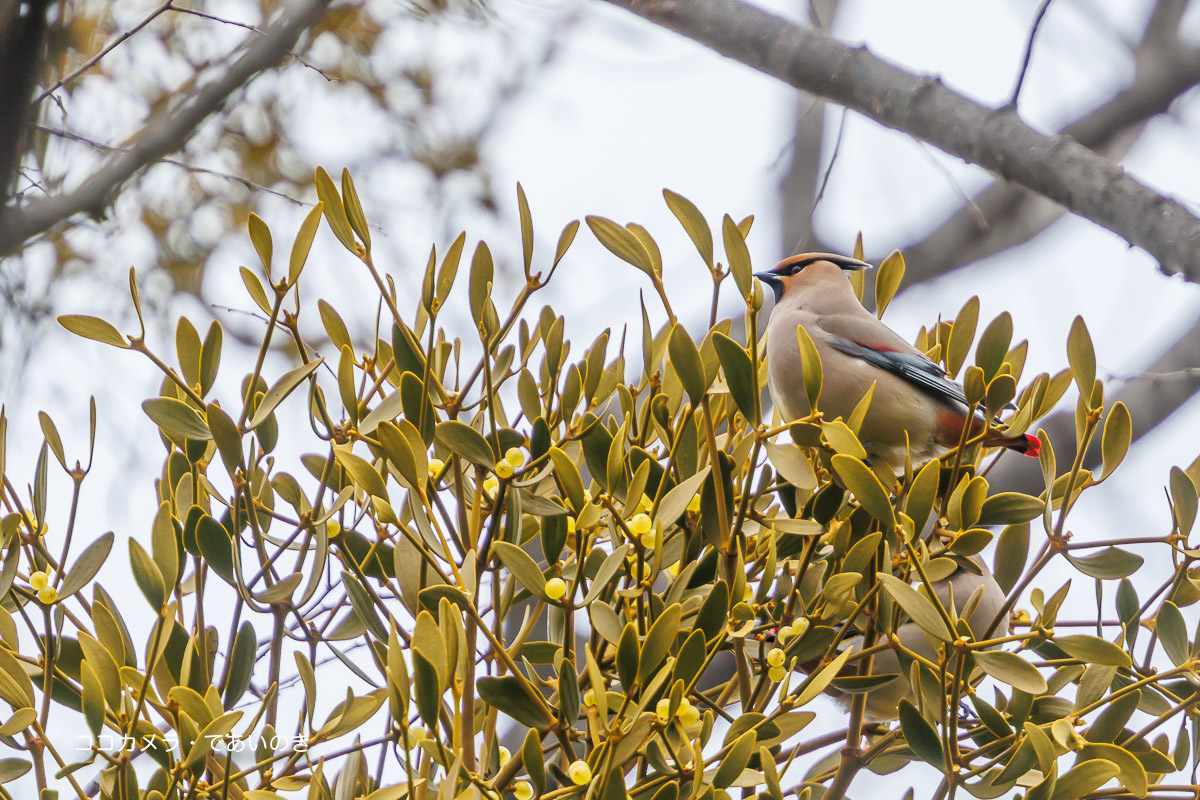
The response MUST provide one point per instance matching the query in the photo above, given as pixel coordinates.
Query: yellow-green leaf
(93, 328)
(866, 488)
(887, 280)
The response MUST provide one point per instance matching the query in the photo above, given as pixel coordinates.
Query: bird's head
(806, 267)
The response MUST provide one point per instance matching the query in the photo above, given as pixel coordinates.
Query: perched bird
(965, 585)
(914, 398)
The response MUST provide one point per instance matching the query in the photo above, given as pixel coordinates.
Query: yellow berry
(555, 588)
(580, 772)
(589, 698)
(334, 528)
(775, 657)
(48, 595)
(688, 713)
(663, 709)
(514, 456)
(694, 505)
(640, 525)
(38, 580)
(776, 673)
(650, 539)
(784, 633)
(645, 504)
(523, 790)
(505, 755)
(436, 465)
(491, 484)
(416, 735)
(504, 470)
(749, 595)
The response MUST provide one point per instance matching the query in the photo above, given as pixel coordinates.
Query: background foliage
(487, 565)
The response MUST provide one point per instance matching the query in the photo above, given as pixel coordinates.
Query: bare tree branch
(163, 134)
(1169, 383)
(1055, 166)
(1165, 71)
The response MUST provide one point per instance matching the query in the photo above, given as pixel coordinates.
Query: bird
(916, 411)
(958, 591)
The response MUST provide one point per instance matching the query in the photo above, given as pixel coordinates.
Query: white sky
(625, 110)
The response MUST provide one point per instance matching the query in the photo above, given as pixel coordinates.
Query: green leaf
(93, 328)
(810, 367)
(866, 488)
(675, 502)
(922, 494)
(1010, 668)
(466, 442)
(1118, 434)
(918, 607)
(86, 566)
(427, 690)
(533, 758)
(739, 258)
(628, 656)
(335, 212)
(303, 243)
(1082, 358)
(565, 239)
(1010, 508)
(887, 280)
(1172, 632)
(568, 476)
(177, 418)
(792, 464)
(1084, 778)
(993, 345)
(1183, 498)
(841, 439)
(505, 694)
(1111, 563)
(354, 210)
(1011, 553)
(211, 734)
(92, 699)
(13, 768)
(1093, 650)
(739, 374)
(733, 764)
(526, 227)
(260, 237)
(921, 737)
(961, 336)
(523, 568)
(255, 288)
(210, 356)
(819, 682)
(685, 357)
(622, 243)
(659, 640)
(282, 388)
(362, 473)
(693, 223)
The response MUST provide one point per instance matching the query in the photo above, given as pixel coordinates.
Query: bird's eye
(795, 270)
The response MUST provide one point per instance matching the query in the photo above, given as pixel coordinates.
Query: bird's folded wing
(913, 367)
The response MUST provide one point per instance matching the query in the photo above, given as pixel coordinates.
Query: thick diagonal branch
(165, 132)
(1012, 215)
(996, 139)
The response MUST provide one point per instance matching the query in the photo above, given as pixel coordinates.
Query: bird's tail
(1025, 443)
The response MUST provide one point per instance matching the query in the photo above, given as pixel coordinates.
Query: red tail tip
(1033, 446)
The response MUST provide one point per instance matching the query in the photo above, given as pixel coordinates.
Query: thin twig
(1037, 23)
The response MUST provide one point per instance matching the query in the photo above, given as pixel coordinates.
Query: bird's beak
(772, 280)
